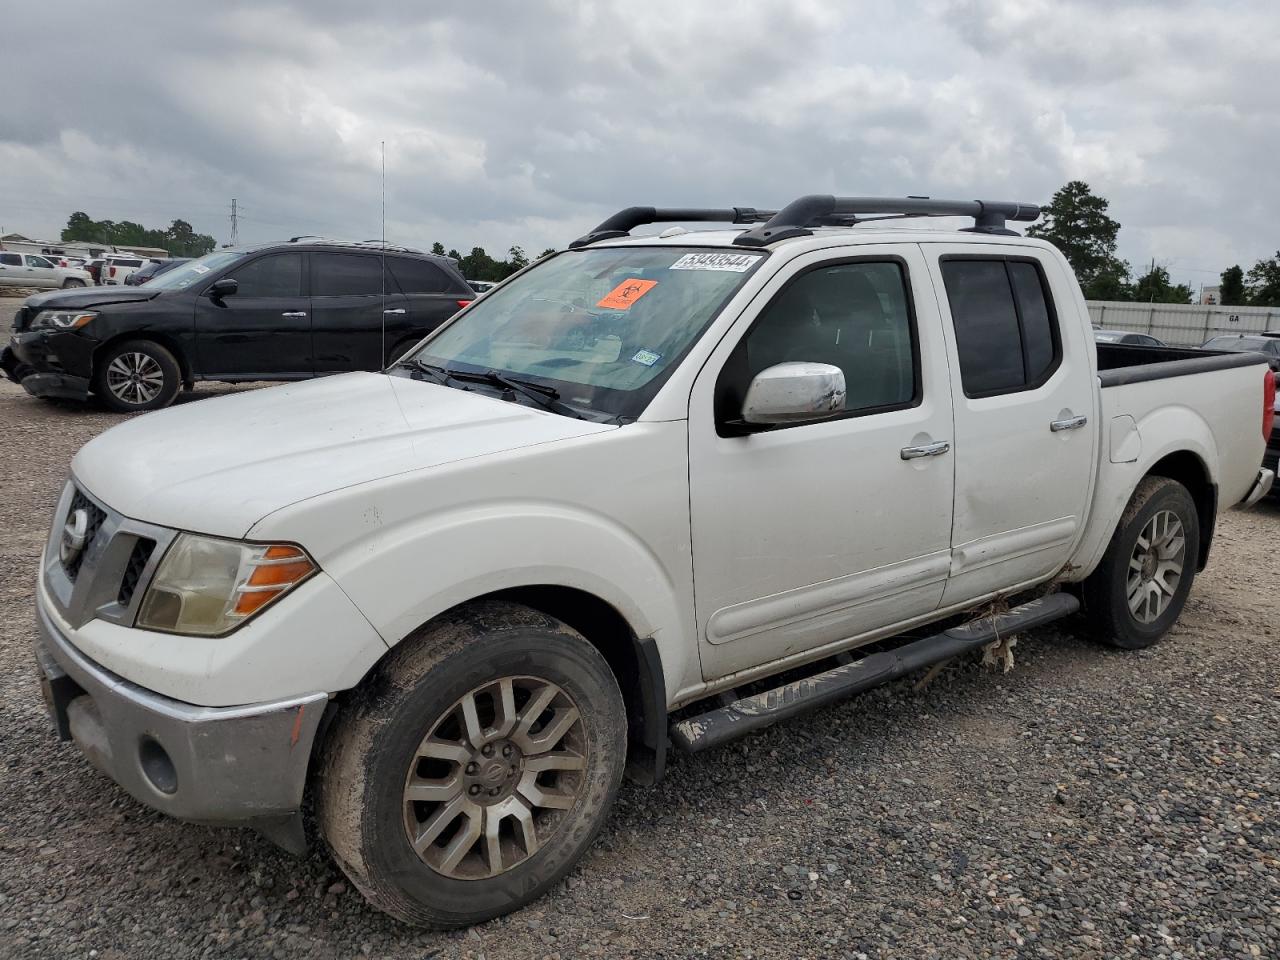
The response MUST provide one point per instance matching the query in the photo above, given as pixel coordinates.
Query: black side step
(756, 712)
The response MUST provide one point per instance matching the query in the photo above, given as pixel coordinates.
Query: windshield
(181, 277)
(1241, 344)
(604, 327)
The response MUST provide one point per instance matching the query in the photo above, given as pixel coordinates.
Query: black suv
(281, 311)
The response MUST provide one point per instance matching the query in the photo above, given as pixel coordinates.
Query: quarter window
(1006, 333)
(275, 275)
(418, 276)
(855, 316)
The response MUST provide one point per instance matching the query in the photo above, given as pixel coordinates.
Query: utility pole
(235, 225)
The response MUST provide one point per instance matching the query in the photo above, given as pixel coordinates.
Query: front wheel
(1138, 590)
(71, 283)
(474, 768)
(137, 375)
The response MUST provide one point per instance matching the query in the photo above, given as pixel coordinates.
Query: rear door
(431, 296)
(348, 300)
(39, 271)
(1025, 433)
(263, 330)
(12, 269)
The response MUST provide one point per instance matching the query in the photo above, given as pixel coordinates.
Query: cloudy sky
(527, 122)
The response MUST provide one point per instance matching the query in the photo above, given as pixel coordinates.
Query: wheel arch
(1189, 470)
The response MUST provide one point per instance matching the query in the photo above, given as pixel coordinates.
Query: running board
(756, 712)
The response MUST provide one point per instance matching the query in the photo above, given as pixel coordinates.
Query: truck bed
(1121, 363)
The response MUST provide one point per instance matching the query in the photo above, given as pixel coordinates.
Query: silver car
(33, 270)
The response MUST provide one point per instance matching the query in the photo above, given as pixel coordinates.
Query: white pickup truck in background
(598, 510)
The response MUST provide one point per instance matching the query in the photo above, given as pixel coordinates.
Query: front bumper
(50, 363)
(219, 765)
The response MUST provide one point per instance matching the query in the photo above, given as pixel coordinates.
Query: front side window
(347, 275)
(275, 275)
(34, 261)
(604, 326)
(855, 316)
(1006, 332)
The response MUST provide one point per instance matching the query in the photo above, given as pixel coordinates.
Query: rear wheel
(1138, 590)
(475, 768)
(137, 375)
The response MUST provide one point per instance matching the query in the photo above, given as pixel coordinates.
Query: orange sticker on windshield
(626, 293)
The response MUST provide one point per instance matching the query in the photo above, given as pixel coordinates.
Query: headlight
(207, 587)
(61, 319)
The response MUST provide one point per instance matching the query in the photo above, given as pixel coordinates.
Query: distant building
(1210, 296)
(73, 248)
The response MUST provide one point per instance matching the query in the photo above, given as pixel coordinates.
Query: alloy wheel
(1155, 566)
(135, 378)
(494, 777)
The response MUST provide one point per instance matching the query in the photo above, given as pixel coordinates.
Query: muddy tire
(476, 765)
(1138, 590)
(136, 375)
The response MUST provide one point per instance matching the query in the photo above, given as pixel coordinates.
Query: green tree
(1232, 292)
(1156, 287)
(455, 255)
(437, 249)
(1076, 222)
(1263, 282)
(547, 252)
(179, 239)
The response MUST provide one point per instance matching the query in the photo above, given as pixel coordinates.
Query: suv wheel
(137, 375)
(72, 282)
(476, 766)
(1138, 590)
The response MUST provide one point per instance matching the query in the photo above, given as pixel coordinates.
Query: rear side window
(418, 276)
(346, 275)
(275, 275)
(1006, 331)
(11, 259)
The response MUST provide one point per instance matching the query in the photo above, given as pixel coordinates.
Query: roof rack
(363, 244)
(798, 218)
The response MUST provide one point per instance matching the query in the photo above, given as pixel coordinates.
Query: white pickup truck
(595, 513)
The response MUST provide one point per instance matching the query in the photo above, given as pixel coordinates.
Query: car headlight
(62, 319)
(207, 587)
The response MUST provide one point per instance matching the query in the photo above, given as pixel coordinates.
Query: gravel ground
(1091, 803)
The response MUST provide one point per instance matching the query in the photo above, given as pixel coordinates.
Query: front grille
(95, 516)
(142, 551)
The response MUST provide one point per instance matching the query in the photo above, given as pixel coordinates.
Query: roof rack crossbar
(795, 219)
(624, 221)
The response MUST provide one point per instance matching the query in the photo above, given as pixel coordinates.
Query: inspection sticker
(647, 357)
(199, 268)
(730, 262)
(626, 293)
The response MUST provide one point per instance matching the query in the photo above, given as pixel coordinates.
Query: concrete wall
(1182, 326)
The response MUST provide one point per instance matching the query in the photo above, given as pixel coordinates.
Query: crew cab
(33, 270)
(652, 491)
(280, 311)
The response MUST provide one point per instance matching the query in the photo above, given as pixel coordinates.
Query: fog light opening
(157, 766)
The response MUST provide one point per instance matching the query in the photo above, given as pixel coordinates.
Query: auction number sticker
(626, 293)
(728, 262)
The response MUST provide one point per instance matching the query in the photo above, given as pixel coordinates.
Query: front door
(357, 317)
(806, 535)
(40, 272)
(1025, 424)
(263, 330)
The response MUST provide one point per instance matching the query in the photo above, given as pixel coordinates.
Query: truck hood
(218, 466)
(89, 297)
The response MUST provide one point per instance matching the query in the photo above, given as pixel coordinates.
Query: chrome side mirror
(794, 393)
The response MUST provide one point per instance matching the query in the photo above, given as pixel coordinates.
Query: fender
(1165, 431)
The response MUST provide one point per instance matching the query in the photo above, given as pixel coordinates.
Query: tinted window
(852, 315)
(345, 275)
(1006, 337)
(1242, 344)
(275, 275)
(418, 276)
(10, 259)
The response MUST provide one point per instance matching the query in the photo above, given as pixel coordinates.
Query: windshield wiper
(439, 374)
(546, 397)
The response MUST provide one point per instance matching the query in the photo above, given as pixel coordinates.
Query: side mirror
(794, 393)
(222, 288)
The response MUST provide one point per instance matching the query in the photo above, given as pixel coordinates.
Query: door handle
(398, 311)
(293, 314)
(935, 449)
(1071, 423)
